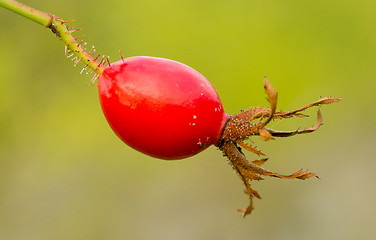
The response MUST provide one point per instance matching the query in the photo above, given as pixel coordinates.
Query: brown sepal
(240, 128)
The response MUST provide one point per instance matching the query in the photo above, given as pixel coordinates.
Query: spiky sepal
(243, 125)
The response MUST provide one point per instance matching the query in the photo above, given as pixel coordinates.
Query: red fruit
(161, 107)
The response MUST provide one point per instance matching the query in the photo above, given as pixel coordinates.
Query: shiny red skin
(161, 107)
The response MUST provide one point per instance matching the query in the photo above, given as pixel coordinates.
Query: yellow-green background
(65, 175)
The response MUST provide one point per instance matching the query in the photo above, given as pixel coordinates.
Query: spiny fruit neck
(94, 63)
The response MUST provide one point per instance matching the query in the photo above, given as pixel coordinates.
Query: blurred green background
(65, 175)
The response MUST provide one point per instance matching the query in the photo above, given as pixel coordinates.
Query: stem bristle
(83, 69)
(94, 78)
(79, 37)
(121, 55)
(91, 49)
(68, 21)
(108, 61)
(73, 30)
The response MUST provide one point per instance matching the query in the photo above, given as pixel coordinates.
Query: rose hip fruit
(161, 107)
(168, 110)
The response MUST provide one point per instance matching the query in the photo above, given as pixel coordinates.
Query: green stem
(58, 27)
(37, 16)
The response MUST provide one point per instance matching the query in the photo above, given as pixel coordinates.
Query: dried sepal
(321, 101)
(241, 127)
(265, 135)
(276, 133)
(250, 148)
(272, 99)
(260, 162)
(249, 171)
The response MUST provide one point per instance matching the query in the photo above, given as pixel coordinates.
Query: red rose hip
(168, 110)
(161, 107)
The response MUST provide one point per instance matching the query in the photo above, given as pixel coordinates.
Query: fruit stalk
(60, 29)
(35, 15)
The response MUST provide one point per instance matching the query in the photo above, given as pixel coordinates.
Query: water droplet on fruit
(202, 145)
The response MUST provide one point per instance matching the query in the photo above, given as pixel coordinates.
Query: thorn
(95, 59)
(83, 69)
(79, 37)
(91, 49)
(95, 77)
(100, 63)
(74, 30)
(108, 61)
(90, 71)
(66, 50)
(74, 60)
(77, 61)
(82, 41)
(98, 66)
(64, 22)
(121, 55)
(91, 54)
